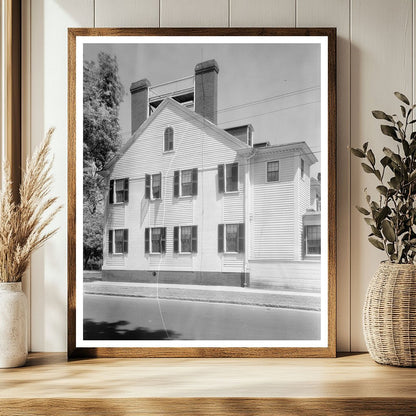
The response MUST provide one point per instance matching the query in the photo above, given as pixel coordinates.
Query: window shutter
(176, 239)
(126, 190)
(147, 186)
(110, 241)
(194, 239)
(195, 181)
(221, 179)
(241, 238)
(176, 184)
(220, 238)
(163, 240)
(126, 241)
(160, 186)
(111, 192)
(146, 240)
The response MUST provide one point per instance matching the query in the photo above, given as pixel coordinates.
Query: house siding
(273, 205)
(303, 186)
(194, 147)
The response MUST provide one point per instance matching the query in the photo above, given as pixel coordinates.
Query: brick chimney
(206, 89)
(139, 103)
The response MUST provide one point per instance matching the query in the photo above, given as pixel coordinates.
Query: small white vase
(13, 325)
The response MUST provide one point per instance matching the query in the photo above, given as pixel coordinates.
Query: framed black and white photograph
(201, 192)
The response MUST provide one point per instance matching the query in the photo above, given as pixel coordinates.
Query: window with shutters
(185, 239)
(119, 191)
(312, 240)
(118, 241)
(155, 240)
(273, 171)
(231, 238)
(153, 186)
(185, 182)
(168, 142)
(228, 177)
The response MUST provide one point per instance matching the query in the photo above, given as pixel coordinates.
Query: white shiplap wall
(376, 57)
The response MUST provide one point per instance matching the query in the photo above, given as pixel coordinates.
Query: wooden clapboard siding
(294, 275)
(196, 145)
(303, 196)
(273, 206)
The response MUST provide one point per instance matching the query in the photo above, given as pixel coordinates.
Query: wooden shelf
(349, 384)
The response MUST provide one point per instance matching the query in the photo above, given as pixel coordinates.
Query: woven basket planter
(390, 315)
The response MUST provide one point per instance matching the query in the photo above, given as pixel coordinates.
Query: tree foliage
(103, 93)
(391, 216)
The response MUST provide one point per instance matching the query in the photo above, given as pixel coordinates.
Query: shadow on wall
(115, 331)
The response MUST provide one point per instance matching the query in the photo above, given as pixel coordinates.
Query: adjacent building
(189, 202)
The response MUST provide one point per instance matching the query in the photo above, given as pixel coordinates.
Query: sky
(279, 84)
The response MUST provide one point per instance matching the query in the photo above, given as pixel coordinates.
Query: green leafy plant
(391, 216)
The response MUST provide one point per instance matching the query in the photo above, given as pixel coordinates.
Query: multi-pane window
(119, 191)
(185, 239)
(231, 238)
(155, 240)
(153, 186)
(272, 171)
(186, 182)
(118, 241)
(228, 177)
(231, 177)
(312, 239)
(168, 142)
(156, 186)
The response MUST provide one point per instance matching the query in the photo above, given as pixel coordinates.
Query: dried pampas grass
(24, 225)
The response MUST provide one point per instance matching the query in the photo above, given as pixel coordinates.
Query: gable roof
(191, 115)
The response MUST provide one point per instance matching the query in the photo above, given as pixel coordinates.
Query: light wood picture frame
(194, 261)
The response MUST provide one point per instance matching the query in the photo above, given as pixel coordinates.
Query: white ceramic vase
(13, 325)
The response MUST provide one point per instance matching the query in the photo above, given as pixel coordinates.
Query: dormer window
(168, 142)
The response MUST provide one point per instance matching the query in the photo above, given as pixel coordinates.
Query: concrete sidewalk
(220, 294)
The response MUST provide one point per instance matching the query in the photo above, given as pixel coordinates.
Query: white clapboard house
(189, 202)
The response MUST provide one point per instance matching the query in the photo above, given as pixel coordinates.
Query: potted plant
(389, 317)
(23, 228)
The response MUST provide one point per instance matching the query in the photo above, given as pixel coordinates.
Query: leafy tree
(103, 93)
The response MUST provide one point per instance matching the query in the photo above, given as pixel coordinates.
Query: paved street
(120, 317)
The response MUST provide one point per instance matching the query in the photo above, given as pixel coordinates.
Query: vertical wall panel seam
(349, 173)
(29, 116)
(160, 11)
(296, 13)
(94, 13)
(229, 13)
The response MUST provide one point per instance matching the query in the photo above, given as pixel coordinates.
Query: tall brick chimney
(206, 89)
(139, 103)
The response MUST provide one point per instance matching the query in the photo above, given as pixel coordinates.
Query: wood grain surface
(329, 351)
(347, 385)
